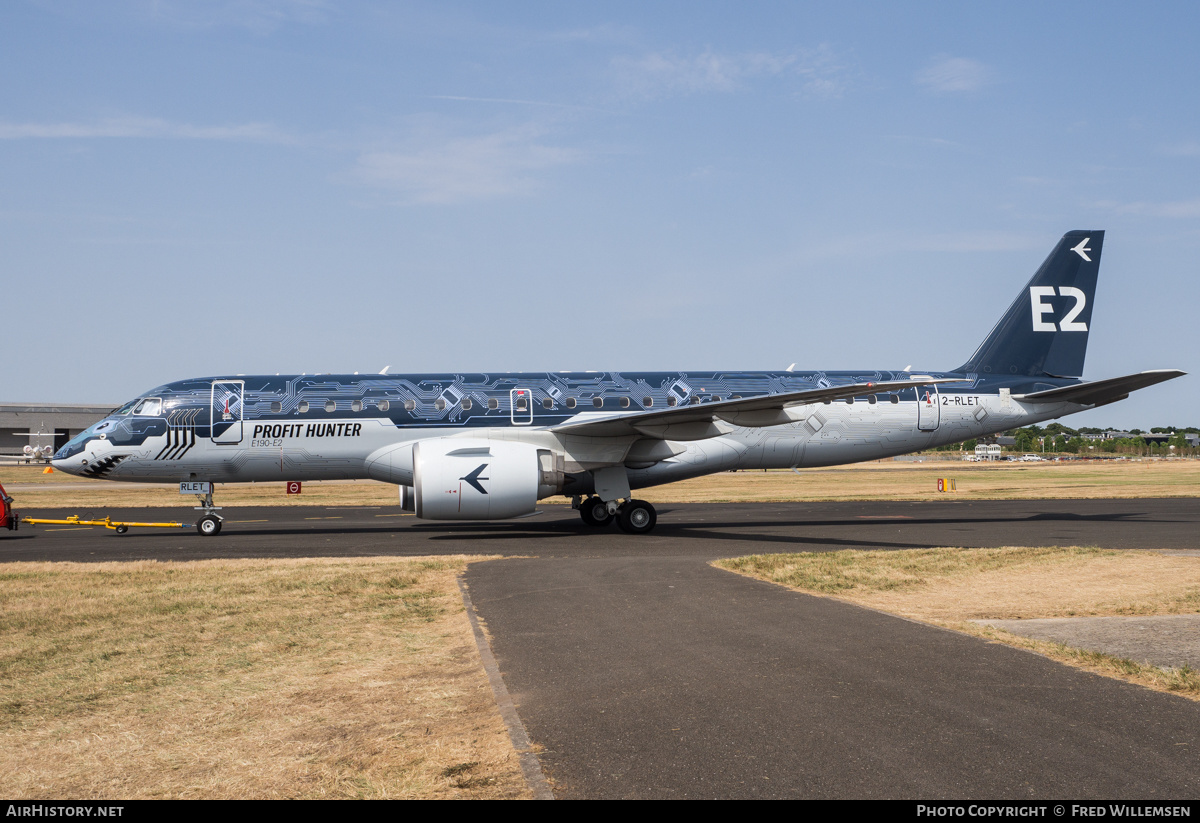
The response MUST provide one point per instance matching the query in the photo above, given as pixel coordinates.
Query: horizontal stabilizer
(1099, 392)
(644, 422)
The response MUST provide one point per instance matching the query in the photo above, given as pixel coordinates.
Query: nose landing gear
(210, 522)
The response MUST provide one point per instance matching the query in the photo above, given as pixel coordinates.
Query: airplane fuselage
(323, 427)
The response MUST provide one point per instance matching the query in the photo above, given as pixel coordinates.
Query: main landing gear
(632, 516)
(209, 524)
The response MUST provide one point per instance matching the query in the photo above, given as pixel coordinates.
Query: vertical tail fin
(1045, 330)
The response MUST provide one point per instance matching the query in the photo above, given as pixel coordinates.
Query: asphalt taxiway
(699, 530)
(642, 671)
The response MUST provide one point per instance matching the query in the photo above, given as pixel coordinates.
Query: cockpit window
(150, 407)
(128, 406)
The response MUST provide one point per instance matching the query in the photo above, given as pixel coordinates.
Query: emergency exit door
(928, 411)
(226, 410)
(521, 406)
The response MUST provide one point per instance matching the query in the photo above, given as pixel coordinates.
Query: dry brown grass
(246, 679)
(884, 480)
(950, 587)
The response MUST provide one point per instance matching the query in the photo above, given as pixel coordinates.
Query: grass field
(359, 678)
(885, 480)
(246, 679)
(951, 587)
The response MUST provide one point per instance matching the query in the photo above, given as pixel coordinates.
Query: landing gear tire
(636, 517)
(209, 525)
(594, 512)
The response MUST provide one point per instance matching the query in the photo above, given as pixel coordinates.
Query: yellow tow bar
(119, 526)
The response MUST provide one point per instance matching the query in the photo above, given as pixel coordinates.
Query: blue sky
(192, 188)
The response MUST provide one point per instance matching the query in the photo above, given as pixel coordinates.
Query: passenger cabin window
(522, 402)
(356, 406)
(467, 403)
(439, 404)
(303, 407)
(570, 402)
(150, 407)
(872, 399)
(410, 405)
(598, 402)
(671, 401)
(547, 403)
(695, 401)
(894, 398)
(330, 406)
(383, 405)
(647, 401)
(276, 407)
(493, 403)
(624, 402)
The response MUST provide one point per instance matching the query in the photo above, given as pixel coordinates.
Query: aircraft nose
(70, 465)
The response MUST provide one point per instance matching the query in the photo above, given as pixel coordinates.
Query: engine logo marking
(473, 478)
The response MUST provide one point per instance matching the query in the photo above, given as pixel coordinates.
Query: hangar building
(44, 424)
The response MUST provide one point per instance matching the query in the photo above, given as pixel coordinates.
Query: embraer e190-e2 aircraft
(466, 446)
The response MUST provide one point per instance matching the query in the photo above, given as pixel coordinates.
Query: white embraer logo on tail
(1080, 249)
(1041, 309)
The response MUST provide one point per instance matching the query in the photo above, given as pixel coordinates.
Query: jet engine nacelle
(464, 479)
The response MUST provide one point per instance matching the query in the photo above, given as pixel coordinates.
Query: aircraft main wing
(1100, 392)
(696, 422)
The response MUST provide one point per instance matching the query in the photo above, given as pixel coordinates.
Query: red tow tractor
(9, 519)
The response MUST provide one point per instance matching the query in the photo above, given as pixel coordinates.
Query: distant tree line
(1056, 438)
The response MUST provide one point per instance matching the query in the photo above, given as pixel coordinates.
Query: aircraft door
(928, 410)
(521, 406)
(226, 410)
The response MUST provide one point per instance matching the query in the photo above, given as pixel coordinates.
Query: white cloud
(822, 74)
(461, 169)
(661, 73)
(143, 127)
(949, 75)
